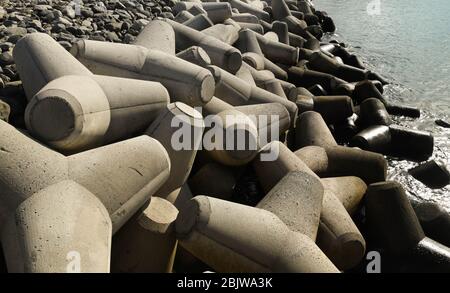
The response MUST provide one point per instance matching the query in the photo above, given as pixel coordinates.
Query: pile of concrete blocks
(226, 139)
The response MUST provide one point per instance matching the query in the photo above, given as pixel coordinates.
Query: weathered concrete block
(157, 35)
(72, 118)
(312, 130)
(195, 55)
(247, 8)
(433, 174)
(349, 190)
(237, 92)
(391, 219)
(40, 59)
(217, 11)
(338, 236)
(199, 22)
(297, 201)
(214, 231)
(236, 141)
(147, 243)
(179, 128)
(434, 220)
(186, 82)
(272, 120)
(221, 54)
(278, 52)
(61, 223)
(28, 169)
(226, 33)
(336, 161)
(5, 111)
(373, 112)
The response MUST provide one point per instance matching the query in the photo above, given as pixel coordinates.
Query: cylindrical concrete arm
(40, 59)
(63, 228)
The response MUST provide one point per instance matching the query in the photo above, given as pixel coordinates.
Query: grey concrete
(195, 55)
(262, 115)
(186, 82)
(247, 8)
(221, 54)
(350, 190)
(40, 59)
(237, 92)
(312, 130)
(231, 237)
(73, 118)
(227, 33)
(176, 124)
(391, 219)
(31, 173)
(338, 236)
(240, 141)
(157, 35)
(199, 22)
(297, 201)
(344, 161)
(147, 243)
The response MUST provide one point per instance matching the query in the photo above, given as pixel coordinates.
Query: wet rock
(432, 174)
(5, 110)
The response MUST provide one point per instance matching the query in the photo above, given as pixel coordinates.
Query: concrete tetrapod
(338, 236)
(40, 59)
(234, 139)
(312, 130)
(232, 237)
(72, 118)
(147, 243)
(226, 33)
(199, 22)
(247, 8)
(350, 190)
(140, 166)
(297, 201)
(237, 92)
(179, 128)
(157, 35)
(333, 161)
(272, 120)
(195, 55)
(186, 82)
(61, 228)
(221, 54)
(394, 226)
(434, 220)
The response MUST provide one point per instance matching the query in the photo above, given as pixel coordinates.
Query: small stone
(6, 58)
(5, 110)
(19, 31)
(99, 8)
(112, 37)
(69, 11)
(87, 12)
(442, 123)
(431, 174)
(6, 46)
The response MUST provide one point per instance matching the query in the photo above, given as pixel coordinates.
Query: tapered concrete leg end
(63, 228)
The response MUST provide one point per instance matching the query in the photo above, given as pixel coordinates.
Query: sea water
(408, 43)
